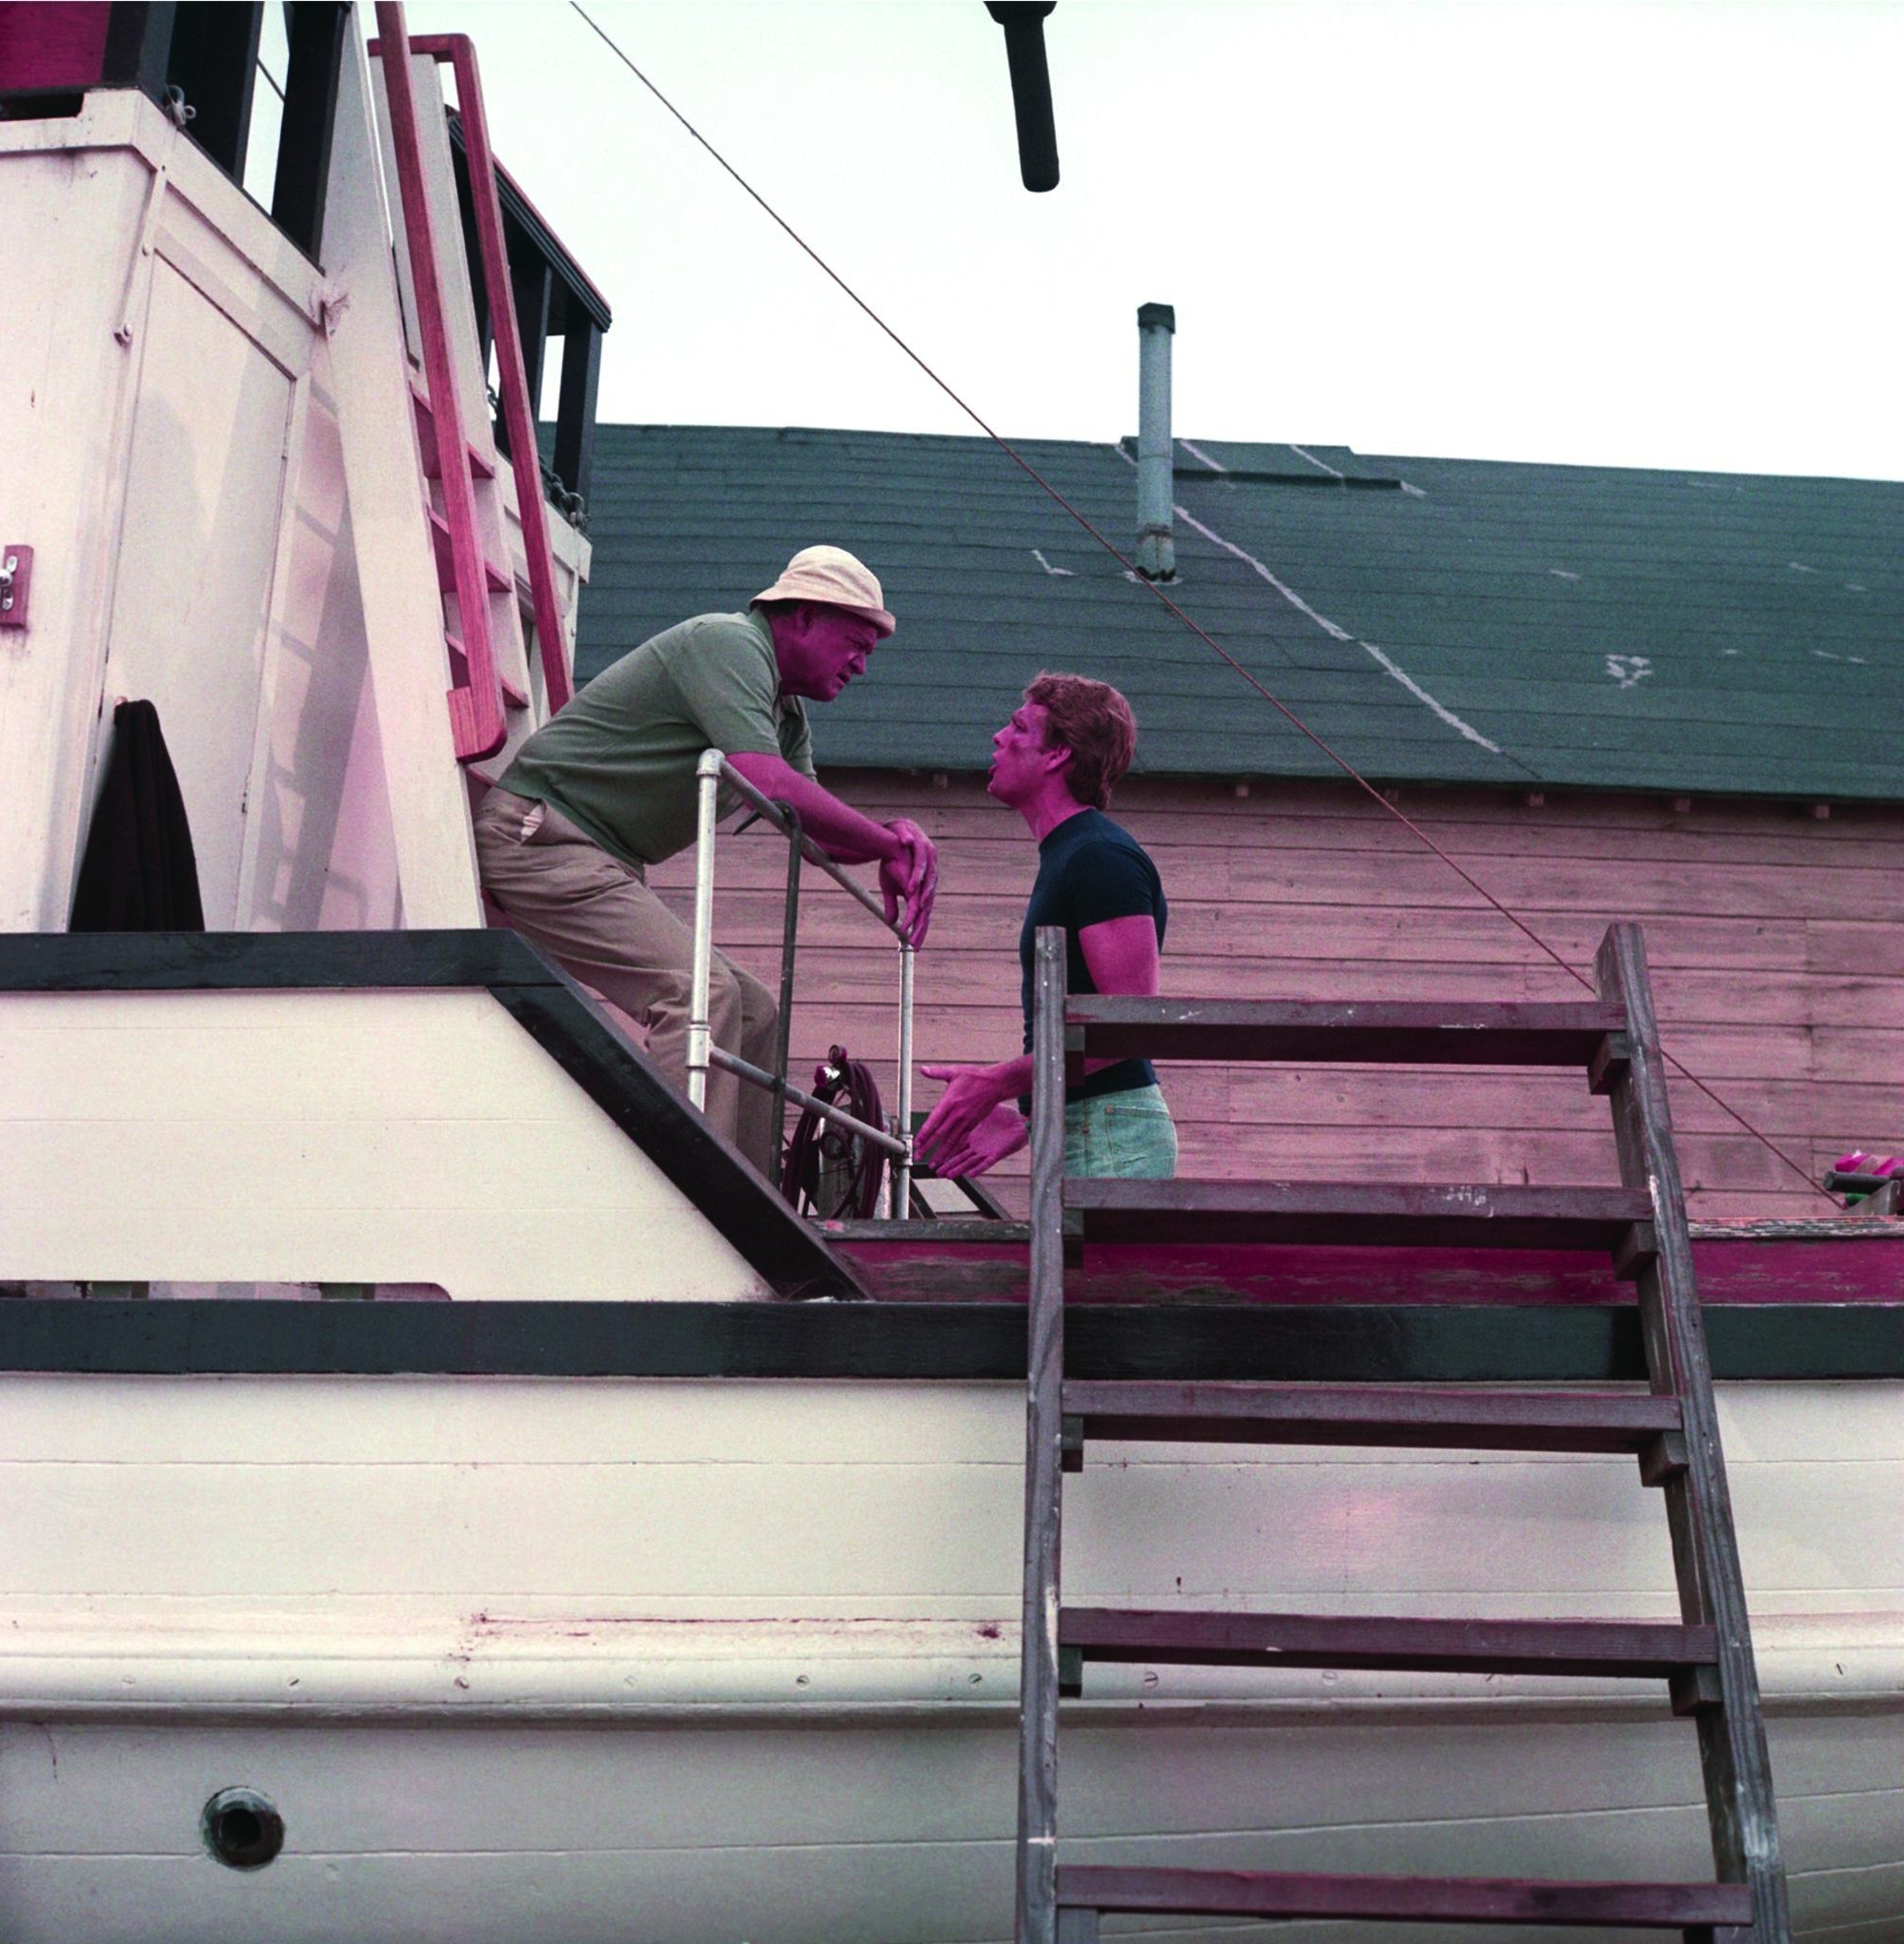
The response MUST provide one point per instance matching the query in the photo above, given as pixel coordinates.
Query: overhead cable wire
(1129, 566)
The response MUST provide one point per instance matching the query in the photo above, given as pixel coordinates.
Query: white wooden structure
(212, 442)
(739, 1659)
(341, 1136)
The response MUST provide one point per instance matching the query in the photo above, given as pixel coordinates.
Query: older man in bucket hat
(607, 788)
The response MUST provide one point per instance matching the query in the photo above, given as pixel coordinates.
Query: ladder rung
(446, 564)
(426, 443)
(1465, 1034)
(1640, 1649)
(459, 668)
(1452, 1418)
(1391, 1214)
(1402, 1899)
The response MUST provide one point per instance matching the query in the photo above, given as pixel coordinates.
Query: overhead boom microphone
(1023, 24)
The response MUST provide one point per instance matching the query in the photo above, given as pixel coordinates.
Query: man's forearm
(845, 835)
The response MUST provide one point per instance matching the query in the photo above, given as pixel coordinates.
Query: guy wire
(1216, 647)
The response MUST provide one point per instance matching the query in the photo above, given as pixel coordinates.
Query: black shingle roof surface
(1436, 620)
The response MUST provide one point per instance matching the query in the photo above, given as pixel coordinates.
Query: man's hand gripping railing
(908, 884)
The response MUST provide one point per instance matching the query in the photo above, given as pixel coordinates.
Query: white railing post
(902, 1166)
(707, 778)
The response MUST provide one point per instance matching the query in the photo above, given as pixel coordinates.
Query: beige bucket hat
(836, 577)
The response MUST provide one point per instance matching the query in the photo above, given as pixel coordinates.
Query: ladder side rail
(511, 373)
(1732, 1746)
(474, 710)
(1037, 1912)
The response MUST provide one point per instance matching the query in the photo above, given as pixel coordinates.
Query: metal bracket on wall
(16, 583)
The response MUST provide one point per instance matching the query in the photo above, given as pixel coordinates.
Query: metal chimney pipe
(1156, 551)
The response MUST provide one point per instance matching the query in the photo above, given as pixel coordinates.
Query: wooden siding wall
(1772, 935)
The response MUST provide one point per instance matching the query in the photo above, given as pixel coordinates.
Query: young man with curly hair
(1056, 762)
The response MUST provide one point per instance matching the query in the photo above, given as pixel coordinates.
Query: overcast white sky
(1647, 235)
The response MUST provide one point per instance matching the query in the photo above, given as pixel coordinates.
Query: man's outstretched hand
(972, 1128)
(1002, 1132)
(910, 881)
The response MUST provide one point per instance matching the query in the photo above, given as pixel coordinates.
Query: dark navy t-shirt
(1090, 869)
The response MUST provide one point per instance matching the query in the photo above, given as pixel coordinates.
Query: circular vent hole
(242, 1829)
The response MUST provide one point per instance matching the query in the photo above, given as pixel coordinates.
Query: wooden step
(1491, 1215)
(1638, 1650)
(459, 669)
(1407, 1899)
(446, 564)
(426, 442)
(1403, 1033)
(1453, 1417)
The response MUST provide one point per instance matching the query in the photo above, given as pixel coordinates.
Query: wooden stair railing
(518, 409)
(1705, 1660)
(476, 690)
(464, 476)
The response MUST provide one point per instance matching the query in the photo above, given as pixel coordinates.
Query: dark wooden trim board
(544, 1000)
(954, 1341)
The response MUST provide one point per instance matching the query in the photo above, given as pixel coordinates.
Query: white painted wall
(321, 855)
(406, 1136)
(209, 448)
(188, 546)
(699, 1660)
(80, 190)
(206, 482)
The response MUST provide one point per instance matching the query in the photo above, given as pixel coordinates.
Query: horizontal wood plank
(1416, 1032)
(1169, 1636)
(1500, 1216)
(1405, 1899)
(1461, 1419)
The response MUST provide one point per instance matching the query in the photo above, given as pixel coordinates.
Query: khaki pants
(595, 916)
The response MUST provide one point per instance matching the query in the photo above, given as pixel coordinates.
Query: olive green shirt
(619, 760)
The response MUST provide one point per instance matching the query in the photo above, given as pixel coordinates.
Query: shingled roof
(1436, 620)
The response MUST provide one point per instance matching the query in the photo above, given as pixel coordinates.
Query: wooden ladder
(1706, 1660)
(465, 512)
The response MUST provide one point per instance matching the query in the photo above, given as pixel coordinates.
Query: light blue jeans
(1129, 1134)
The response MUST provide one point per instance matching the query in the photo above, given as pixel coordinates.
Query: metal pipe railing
(789, 939)
(711, 772)
(776, 814)
(707, 774)
(732, 1063)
